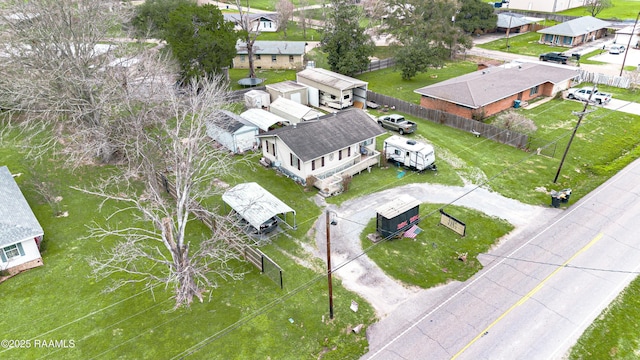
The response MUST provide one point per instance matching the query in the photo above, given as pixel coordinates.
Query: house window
(241, 58)
(313, 165)
(322, 161)
(257, 56)
(12, 251)
(294, 161)
(298, 160)
(367, 142)
(548, 38)
(291, 159)
(340, 155)
(567, 40)
(274, 58)
(534, 90)
(290, 58)
(349, 151)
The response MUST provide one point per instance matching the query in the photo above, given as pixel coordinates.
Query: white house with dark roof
(335, 145)
(233, 132)
(271, 55)
(489, 91)
(262, 22)
(574, 32)
(20, 231)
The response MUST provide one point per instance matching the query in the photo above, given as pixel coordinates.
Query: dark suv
(554, 56)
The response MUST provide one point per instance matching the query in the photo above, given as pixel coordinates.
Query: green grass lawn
(434, 253)
(622, 9)
(59, 301)
(524, 44)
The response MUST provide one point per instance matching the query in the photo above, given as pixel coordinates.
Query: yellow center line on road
(528, 295)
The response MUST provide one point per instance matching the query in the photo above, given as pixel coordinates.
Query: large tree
(152, 16)
(58, 69)
(346, 43)
(476, 16)
(284, 9)
(249, 33)
(424, 33)
(201, 41)
(595, 7)
(160, 250)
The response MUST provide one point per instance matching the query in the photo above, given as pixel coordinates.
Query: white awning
(255, 204)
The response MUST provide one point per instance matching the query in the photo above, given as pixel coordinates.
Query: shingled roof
(313, 139)
(17, 221)
(487, 86)
(576, 27)
(273, 48)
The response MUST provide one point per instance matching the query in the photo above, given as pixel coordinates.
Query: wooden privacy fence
(253, 256)
(597, 78)
(378, 64)
(477, 128)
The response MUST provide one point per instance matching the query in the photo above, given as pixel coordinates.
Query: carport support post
(626, 51)
(329, 265)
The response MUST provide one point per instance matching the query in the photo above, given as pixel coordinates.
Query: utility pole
(509, 28)
(575, 129)
(626, 51)
(329, 265)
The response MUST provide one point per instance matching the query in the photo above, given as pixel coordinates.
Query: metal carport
(256, 205)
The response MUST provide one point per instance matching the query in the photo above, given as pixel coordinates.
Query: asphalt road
(537, 294)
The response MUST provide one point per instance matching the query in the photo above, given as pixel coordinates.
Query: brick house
(271, 55)
(574, 32)
(486, 92)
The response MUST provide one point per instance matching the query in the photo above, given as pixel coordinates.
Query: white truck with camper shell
(410, 153)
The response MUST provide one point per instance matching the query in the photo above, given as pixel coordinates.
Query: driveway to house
(361, 275)
(624, 106)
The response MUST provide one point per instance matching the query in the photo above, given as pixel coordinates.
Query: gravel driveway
(362, 276)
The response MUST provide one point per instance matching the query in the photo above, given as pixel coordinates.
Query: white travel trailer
(410, 153)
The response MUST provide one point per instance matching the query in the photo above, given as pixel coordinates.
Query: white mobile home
(331, 89)
(410, 153)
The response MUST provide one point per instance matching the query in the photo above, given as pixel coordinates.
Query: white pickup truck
(584, 93)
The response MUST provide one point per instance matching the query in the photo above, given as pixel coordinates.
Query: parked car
(584, 94)
(265, 228)
(398, 123)
(616, 49)
(555, 57)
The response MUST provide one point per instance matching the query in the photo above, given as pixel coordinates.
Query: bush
(514, 121)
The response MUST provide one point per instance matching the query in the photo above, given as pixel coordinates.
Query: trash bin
(566, 194)
(516, 103)
(555, 199)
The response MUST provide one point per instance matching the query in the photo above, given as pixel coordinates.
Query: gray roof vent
(411, 142)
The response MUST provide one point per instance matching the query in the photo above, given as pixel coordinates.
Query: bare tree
(53, 68)
(515, 121)
(160, 250)
(284, 8)
(302, 16)
(595, 7)
(249, 33)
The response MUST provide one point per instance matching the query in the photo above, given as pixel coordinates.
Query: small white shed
(233, 132)
(334, 90)
(292, 111)
(290, 90)
(257, 99)
(262, 118)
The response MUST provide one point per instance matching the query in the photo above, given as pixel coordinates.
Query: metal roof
(398, 206)
(286, 86)
(273, 47)
(255, 204)
(330, 78)
(512, 20)
(487, 86)
(576, 27)
(17, 221)
(295, 109)
(262, 118)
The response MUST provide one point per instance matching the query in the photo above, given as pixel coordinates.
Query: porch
(330, 182)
